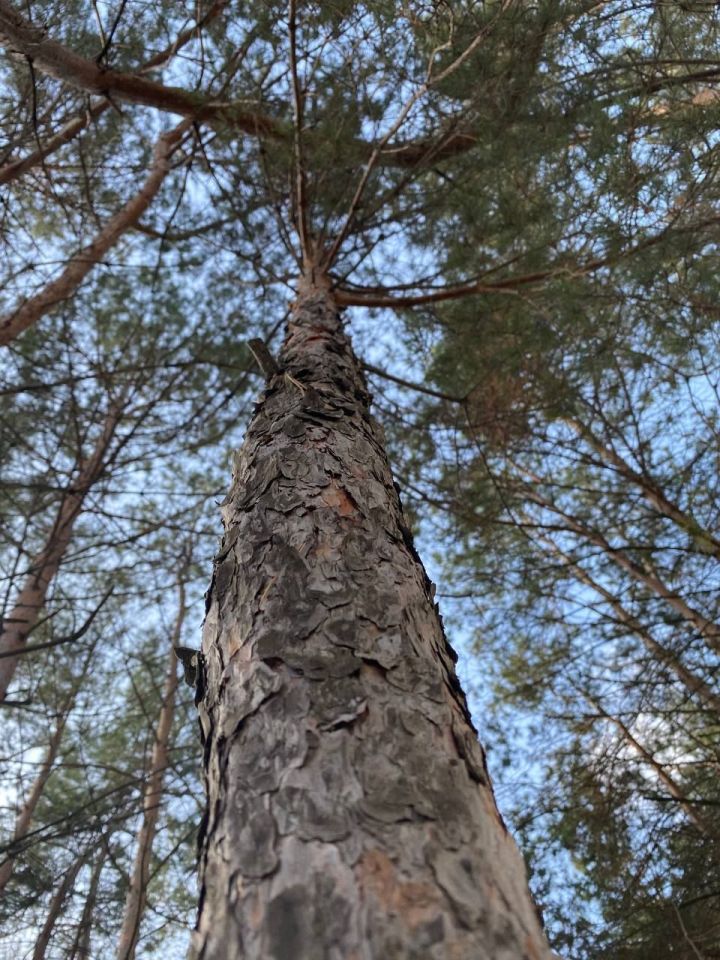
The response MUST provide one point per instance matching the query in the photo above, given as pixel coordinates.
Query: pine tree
(521, 171)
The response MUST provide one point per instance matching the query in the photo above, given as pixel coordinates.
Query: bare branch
(420, 388)
(383, 297)
(70, 638)
(430, 81)
(56, 60)
(61, 289)
(16, 168)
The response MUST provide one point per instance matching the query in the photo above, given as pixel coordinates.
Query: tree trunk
(672, 787)
(56, 904)
(350, 814)
(66, 285)
(655, 496)
(22, 619)
(81, 945)
(27, 811)
(25, 815)
(137, 892)
(694, 684)
(647, 575)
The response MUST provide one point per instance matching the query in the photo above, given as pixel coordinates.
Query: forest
(360, 480)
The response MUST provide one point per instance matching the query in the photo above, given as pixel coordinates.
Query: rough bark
(152, 798)
(350, 814)
(23, 617)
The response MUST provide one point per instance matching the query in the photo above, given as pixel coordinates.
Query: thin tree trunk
(137, 893)
(78, 267)
(56, 904)
(694, 684)
(706, 628)
(20, 622)
(81, 945)
(663, 776)
(708, 542)
(350, 814)
(24, 817)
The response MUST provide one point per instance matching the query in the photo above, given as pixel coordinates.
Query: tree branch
(383, 297)
(56, 60)
(410, 385)
(14, 323)
(16, 168)
(70, 638)
(371, 297)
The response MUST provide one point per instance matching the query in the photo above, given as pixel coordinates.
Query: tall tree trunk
(694, 684)
(137, 892)
(350, 814)
(81, 945)
(25, 815)
(23, 617)
(56, 904)
(672, 787)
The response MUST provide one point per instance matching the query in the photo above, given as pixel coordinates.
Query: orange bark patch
(235, 647)
(339, 499)
(415, 903)
(256, 913)
(324, 549)
(531, 948)
(458, 949)
(265, 591)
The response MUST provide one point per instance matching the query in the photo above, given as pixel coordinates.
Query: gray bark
(350, 814)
